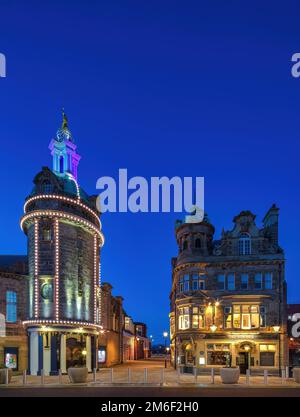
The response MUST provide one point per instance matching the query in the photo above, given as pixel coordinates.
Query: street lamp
(165, 335)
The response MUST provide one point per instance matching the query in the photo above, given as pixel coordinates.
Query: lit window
(268, 281)
(184, 318)
(244, 281)
(227, 317)
(244, 244)
(198, 317)
(267, 355)
(11, 306)
(221, 282)
(230, 282)
(245, 317)
(258, 281)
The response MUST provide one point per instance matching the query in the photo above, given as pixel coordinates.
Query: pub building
(228, 296)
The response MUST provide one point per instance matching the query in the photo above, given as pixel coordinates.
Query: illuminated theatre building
(228, 297)
(64, 235)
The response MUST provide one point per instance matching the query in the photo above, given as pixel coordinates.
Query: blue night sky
(187, 88)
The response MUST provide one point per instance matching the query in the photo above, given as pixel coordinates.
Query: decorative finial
(64, 133)
(65, 120)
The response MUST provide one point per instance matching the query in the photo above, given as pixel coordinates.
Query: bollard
(212, 375)
(248, 376)
(42, 376)
(94, 374)
(287, 373)
(129, 375)
(24, 377)
(60, 377)
(162, 376)
(6, 376)
(178, 374)
(145, 375)
(111, 375)
(265, 376)
(282, 376)
(195, 374)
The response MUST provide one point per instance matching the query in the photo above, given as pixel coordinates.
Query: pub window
(268, 281)
(258, 281)
(221, 282)
(184, 318)
(227, 317)
(244, 244)
(186, 282)
(185, 245)
(11, 306)
(218, 354)
(230, 282)
(244, 281)
(198, 318)
(195, 282)
(246, 317)
(267, 355)
(181, 284)
(201, 284)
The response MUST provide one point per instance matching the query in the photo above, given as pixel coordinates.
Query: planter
(296, 375)
(78, 375)
(230, 375)
(2, 375)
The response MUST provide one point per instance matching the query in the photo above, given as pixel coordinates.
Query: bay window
(184, 318)
(244, 317)
(198, 319)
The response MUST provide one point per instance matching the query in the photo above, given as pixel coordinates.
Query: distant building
(136, 342)
(228, 296)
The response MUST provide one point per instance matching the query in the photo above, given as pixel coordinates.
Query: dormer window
(244, 244)
(47, 187)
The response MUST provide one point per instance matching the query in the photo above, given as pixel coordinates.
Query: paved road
(149, 392)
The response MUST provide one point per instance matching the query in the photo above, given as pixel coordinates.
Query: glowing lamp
(276, 328)
(84, 352)
(213, 327)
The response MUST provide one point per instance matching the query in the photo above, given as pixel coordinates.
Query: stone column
(34, 353)
(63, 364)
(88, 353)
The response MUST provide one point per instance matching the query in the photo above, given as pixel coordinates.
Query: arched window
(244, 244)
(185, 245)
(61, 164)
(198, 243)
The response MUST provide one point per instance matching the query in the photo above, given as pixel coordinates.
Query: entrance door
(243, 362)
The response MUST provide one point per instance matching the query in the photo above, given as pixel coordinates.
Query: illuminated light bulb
(213, 327)
(276, 328)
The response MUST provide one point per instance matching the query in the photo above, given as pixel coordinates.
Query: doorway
(243, 362)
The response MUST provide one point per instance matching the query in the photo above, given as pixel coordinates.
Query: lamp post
(165, 335)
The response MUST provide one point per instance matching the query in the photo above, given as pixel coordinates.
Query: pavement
(132, 380)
